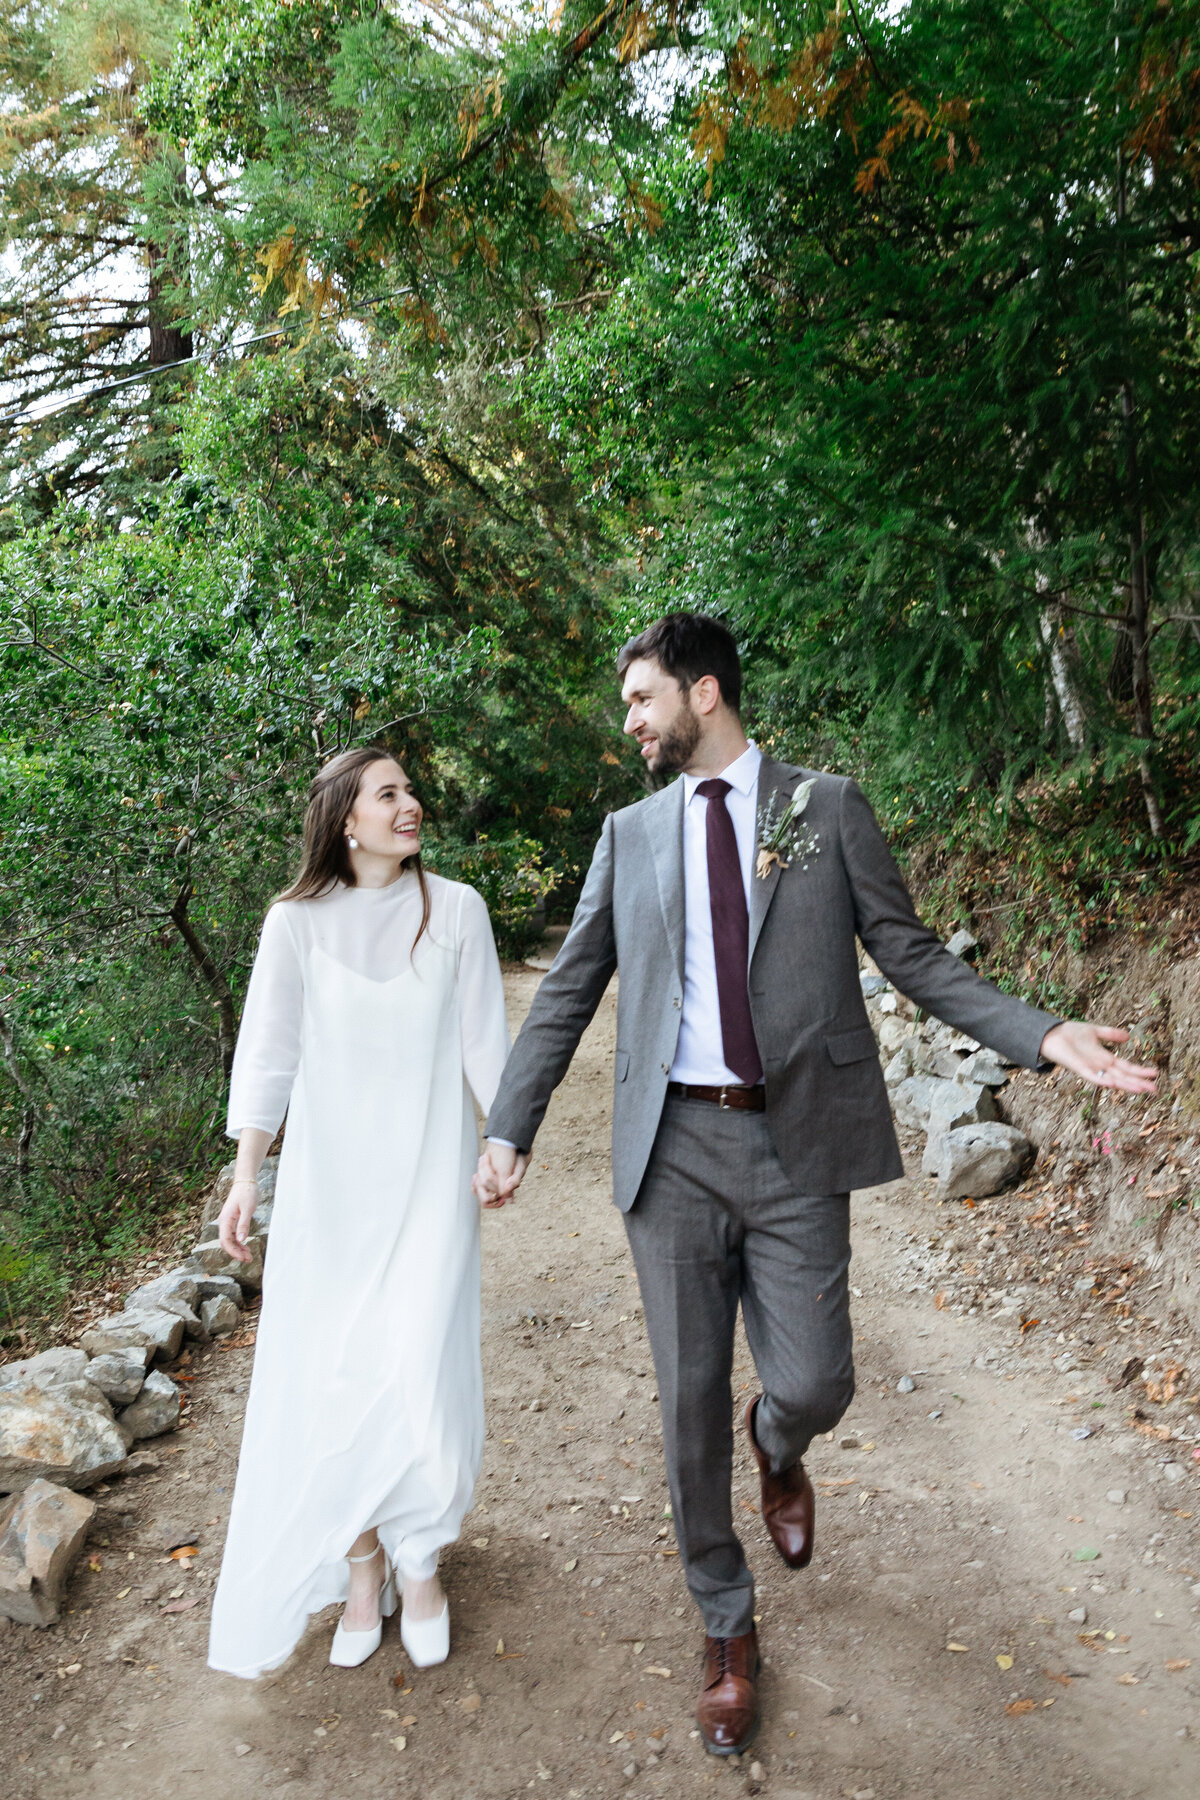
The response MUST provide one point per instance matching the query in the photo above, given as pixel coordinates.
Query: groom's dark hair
(686, 646)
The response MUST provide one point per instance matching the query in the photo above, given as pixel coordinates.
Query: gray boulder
(982, 1066)
(178, 1284)
(49, 1369)
(977, 1159)
(119, 1374)
(65, 1433)
(954, 1104)
(962, 944)
(900, 1067)
(42, 1532)
(219, 1287)
(159, 1332)
(155, 1410)
(912, 1099)
(220, 1316)
(210, 1259)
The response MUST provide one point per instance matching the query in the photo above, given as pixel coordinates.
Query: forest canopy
(371, 370)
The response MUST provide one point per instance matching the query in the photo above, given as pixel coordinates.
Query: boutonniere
(782, 837)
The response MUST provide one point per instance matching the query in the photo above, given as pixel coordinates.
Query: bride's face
(387, 815)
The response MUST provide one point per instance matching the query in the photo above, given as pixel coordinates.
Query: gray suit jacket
(827, 1107)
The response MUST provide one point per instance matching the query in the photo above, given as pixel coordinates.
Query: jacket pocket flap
(851, 1046)
(622, 1064)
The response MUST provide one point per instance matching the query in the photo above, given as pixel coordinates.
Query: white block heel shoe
(427, 1641)
(349, 1648)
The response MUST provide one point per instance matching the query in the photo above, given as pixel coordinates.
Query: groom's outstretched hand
(499, 1174)
(1084, 1049)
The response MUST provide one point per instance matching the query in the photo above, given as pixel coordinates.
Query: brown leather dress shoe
(788, 1503)
(727, 1712)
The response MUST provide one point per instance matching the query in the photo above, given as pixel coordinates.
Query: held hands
(1083, 1049)
(233, 1225)
(499, 1174)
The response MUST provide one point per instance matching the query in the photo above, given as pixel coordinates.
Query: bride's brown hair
(326, 858)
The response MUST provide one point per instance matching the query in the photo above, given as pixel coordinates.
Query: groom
(749, 1099)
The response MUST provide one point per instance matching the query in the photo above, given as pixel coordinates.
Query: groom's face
(660, 716)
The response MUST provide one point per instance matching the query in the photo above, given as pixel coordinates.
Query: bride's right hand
(233, 1224)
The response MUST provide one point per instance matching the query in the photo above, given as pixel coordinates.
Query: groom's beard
(677, 744)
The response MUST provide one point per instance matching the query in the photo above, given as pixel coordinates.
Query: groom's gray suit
(724, 1205)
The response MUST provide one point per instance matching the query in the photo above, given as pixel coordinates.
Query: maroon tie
(731, 935)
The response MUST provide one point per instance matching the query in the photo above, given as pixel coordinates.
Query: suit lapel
(779, 778)
(663, 819)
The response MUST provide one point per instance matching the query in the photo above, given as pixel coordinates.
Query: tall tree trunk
(210, 975)
(168, 343)
(1062, 652)
(31, 1110)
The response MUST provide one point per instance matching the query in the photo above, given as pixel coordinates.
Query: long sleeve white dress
(366, 1403)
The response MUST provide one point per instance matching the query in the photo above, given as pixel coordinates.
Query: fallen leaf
(95, 1564)
(1128, 1680)
(1016, 1708)
(956, 1646)
(241, 1749)
(568, 1566)
(471, 1702)
(939, 1300)
(480, 1543)
(124, 1593)
(388, 1712)
(1028, 1325)
(1062, 1680)
(399, 1742)
(1004, 1662)
(1087, 1555)
(1177, 1663)
(499, 1646)
(184, 1552)
(618, 1737)
(409, 1719)
(178, 1606)
(654, 1669)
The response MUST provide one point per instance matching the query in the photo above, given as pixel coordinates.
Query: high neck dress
(366, 1403)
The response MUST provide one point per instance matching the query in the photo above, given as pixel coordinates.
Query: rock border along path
(1001, 1602)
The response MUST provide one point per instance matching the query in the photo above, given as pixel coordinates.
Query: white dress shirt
(699, 1057)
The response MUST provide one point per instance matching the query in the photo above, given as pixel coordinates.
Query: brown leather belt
(729, 1099)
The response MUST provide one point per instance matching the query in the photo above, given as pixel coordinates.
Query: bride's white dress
(366, 1403)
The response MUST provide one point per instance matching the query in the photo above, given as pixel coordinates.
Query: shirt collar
(741, 774)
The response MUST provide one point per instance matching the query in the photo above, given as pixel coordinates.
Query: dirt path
(929, 1652)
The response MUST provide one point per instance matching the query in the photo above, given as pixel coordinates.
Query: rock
(220, 1316)
(1115, 1496)
(155, 1410)
(982, 1066)
(757, 1772)
(173, 1533)
(192, 1325)
(874, 985)
(892, 1032)
(1173, 1471)
(979, 1159)
(962, 944)
(161, 1333)
(947, 1064)
(119, 1374)
(50, 1369)
(42, 1532)
(850, 1443)
(1078, 1615)
(906, 1385)
(900, 1067)
(220, 1188)
(65, 1434)
(953, 1105)
(219, 1287)
(912, 1099)
(210, 1259)
(179, 1284)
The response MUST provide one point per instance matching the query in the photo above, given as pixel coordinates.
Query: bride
(374, 1003)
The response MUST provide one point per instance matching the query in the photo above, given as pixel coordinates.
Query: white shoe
(349, 1648)
(426, 1640)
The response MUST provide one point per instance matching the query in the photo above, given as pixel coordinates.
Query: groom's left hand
(1083, 1048)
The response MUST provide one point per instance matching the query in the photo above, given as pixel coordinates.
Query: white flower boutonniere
(782, 838)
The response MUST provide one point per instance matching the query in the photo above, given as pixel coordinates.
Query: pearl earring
(352, 841)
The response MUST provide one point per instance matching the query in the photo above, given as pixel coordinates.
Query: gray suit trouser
(716, 1222)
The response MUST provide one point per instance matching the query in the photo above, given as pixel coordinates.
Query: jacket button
(665, 1067)
(677, 1001)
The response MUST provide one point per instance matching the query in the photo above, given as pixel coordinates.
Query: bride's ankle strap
(369, 1557)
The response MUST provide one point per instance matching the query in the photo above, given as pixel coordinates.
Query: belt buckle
(722, 1103)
